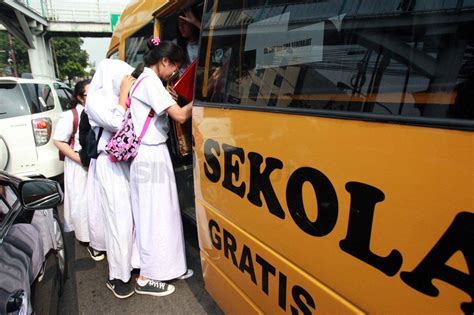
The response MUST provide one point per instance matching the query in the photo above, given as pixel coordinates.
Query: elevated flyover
(35, 22)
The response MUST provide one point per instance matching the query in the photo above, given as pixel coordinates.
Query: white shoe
(95, 254)
(155, 288)
(189, 273)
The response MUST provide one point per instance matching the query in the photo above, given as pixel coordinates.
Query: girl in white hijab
(106, 107)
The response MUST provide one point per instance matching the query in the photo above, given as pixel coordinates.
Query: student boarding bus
(332, 165)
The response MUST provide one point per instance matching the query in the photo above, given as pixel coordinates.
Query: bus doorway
(140, 21)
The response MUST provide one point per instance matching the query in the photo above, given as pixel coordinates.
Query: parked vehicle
(33, 265)
(29, 110)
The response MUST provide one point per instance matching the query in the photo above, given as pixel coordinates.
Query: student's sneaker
(121, 289)
(189, 273)
(153, 287)
(95, 254)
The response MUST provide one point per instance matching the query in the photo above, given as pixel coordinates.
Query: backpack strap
(150, 114)
(100, 134)
(147, 123)
(75, 124)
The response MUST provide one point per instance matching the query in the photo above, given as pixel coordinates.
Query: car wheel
(60, 251)
(45, 294)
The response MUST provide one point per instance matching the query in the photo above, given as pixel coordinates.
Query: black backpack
(88, 140)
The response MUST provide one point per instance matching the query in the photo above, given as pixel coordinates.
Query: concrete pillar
(41, 58)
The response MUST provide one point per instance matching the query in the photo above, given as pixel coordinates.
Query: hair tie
(155, 41)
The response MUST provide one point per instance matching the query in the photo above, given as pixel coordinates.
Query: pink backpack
(123, 146)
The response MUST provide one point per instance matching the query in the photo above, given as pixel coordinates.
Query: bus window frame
(442, 123)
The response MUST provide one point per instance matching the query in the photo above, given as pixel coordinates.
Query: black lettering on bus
(215, 238)
(266, 269)
(326, 199)
(231, 169)
(357, 242)
(458, 237)
(246, 263)
(260, 183)
(304, 306)
(282, 283)
(212, 168)
(230, 246)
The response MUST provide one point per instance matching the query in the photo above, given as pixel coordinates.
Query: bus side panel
(238, 267)
(224, 292)
(357, 206)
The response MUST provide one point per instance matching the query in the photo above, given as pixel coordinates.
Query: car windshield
(12, 101)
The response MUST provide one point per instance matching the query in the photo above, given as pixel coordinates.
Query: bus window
(135, 46)
(340, 58)
(114, 55)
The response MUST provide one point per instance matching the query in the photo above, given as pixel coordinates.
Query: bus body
(333, 153)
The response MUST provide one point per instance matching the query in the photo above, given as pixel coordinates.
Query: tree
(6, 51)
(70, 58)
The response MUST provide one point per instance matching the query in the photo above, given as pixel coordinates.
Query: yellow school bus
(333, 153)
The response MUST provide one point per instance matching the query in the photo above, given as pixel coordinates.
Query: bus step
(189, 213)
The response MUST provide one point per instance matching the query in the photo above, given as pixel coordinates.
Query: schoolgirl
(66, 139)
(189, 27)
(105, 108)
(154, 195)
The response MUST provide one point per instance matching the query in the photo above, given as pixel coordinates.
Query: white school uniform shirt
(151, 93)
(64, 127)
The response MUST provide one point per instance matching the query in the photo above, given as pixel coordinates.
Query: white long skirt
(114, 186)
(75, 200)
(96, 214)
(157, 214)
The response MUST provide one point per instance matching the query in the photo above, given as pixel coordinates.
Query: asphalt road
(86, 293)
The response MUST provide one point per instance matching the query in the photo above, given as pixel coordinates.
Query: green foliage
(71, 59)
(21, 53)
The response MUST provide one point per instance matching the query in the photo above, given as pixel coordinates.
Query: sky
(96, 48)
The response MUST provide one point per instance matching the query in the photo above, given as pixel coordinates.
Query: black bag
(92, 143)
(88, 140)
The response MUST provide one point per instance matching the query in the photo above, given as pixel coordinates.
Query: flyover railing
(75, 11)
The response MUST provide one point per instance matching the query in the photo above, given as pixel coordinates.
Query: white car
(29, 110)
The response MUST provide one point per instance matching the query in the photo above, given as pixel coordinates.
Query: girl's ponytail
(138, 70)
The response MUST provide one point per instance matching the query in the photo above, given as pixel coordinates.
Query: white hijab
(108, 76)
(104, 90)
